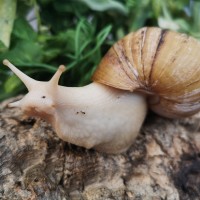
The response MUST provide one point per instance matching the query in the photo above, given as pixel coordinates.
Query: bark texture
(163, 163)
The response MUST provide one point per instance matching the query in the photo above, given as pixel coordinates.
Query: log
(163, 163)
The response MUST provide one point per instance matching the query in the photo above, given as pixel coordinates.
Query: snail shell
(163, 64)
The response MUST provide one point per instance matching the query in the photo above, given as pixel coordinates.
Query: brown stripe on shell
(122, 59)
(160, 43)
(109, 72)
(132, 62)
(130, 43)
(176, 67)
(134, 54)
(141, 54)
(150, 42)
(126, 65)
(173, 59)
(190, 94)
(195, 82)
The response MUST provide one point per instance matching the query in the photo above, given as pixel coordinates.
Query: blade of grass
(37, 65)
(100, 38)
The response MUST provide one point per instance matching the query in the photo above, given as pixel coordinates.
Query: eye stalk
(55, 79)
(29, 82)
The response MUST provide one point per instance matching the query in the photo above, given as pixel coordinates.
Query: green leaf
(23, 30)
(105, 5)
(7, 16)
(157, 7)
(3, 48)
(11, 84)
(196, 14)
(51, 54)
(24, 51)
(184, 26)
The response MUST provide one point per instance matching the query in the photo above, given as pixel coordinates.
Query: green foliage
(78, 33)
(7, 16)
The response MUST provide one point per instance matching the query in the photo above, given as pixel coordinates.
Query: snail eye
(43, 97)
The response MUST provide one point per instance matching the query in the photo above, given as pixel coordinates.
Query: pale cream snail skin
(93, 116)
(151, 67)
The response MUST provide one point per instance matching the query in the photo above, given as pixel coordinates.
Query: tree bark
(163, 163)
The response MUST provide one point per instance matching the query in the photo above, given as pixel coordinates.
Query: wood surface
(162, 164)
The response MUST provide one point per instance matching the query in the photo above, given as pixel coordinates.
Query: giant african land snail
(161, 67)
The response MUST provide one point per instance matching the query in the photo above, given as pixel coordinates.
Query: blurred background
(38, 36)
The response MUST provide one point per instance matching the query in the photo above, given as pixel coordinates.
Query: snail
(151, 67)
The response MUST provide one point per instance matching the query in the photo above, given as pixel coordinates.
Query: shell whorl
(161, 63)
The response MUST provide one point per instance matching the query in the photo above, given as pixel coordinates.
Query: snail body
(93, 116)
(150, 66)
